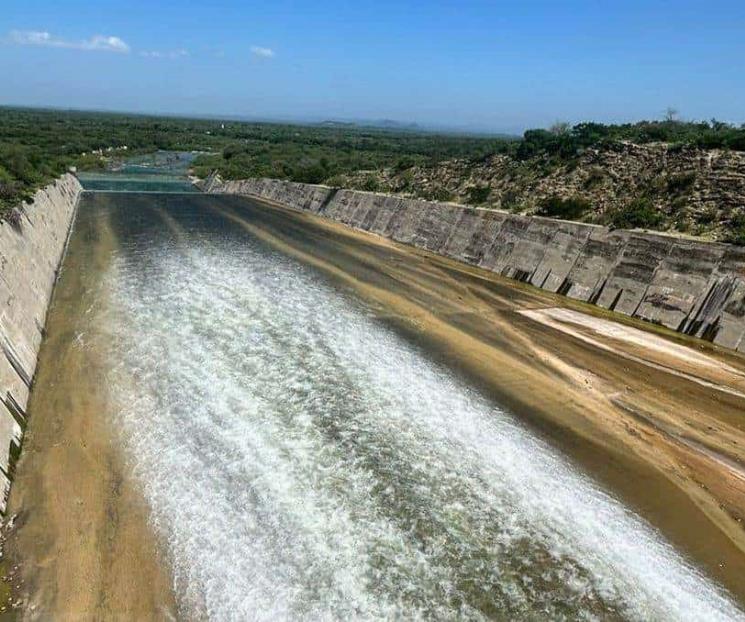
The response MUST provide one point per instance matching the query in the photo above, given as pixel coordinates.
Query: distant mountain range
(409, 126)
(380, 123)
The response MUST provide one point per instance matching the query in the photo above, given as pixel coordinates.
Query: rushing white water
(302, 460)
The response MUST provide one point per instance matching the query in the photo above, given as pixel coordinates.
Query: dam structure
(693, 287)
(243, 411)
(32, 242)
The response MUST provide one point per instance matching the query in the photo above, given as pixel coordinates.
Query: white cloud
(260, 52)
(44, 39)
(172, 54)
(110, 44)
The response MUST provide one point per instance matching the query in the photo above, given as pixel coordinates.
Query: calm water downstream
(302, 460)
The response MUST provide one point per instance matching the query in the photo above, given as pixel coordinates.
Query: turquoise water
(121, 182)
(161, 162)
(163, 171)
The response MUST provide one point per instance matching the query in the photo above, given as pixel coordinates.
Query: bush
(684, 225)
(313, 174)
(404, 164)
(738, 219)
(679, 205)
(639, 214)
(230, 151)
(736, 226)
(337, 181)
(595, 177)
(404, 181)
(707, 217)
(568, 209)
(736, 141)
(510, 200)
(478, 194)
(438, 193)
(371, 184)
(8, 191)
(681, 182)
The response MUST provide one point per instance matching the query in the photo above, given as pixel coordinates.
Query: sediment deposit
(32, 241)
(690, 286)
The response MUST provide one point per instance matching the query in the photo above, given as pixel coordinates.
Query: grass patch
(572, 208)
(639, 214)
(478, 194)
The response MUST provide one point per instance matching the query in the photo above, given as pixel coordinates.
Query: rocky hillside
(655, 186)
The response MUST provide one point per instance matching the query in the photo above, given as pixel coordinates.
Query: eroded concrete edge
(32, 243)
(690, 286)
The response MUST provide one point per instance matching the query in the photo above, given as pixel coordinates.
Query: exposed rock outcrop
(697, 191)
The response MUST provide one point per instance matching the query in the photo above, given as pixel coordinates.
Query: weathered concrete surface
(30, 252)
(686, 285)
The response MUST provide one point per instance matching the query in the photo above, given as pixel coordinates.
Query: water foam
(304, 461)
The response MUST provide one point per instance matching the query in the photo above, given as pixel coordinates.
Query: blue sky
(496, 65)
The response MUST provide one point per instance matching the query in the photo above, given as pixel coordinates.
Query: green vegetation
(736, 233)
(38, 145)
(681, 183)
(370, 184)
(640, 213)
(566, 142)
(438, 193)
(510, 201)
(595, 177)
(314, 154)
(478, 194)
(568, 209)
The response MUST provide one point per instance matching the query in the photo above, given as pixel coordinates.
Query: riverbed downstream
(242, 413)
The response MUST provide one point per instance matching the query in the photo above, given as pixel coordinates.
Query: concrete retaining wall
(31, 247)
(689, 286)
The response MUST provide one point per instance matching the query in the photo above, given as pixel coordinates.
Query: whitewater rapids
(302, 460)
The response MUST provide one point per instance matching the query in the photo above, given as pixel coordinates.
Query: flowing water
(302, 460)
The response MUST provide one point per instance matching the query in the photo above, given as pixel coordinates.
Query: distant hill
(385, 124)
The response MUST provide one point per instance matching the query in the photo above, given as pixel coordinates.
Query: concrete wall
(31, 247)
(689, 286)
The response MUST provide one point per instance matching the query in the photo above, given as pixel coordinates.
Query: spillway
(303, 460)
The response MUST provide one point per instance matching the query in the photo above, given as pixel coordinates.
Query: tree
(560, 128)
(672, 114)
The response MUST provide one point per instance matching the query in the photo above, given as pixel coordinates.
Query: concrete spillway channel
(244, 412)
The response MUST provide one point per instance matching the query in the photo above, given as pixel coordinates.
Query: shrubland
(664, 175)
